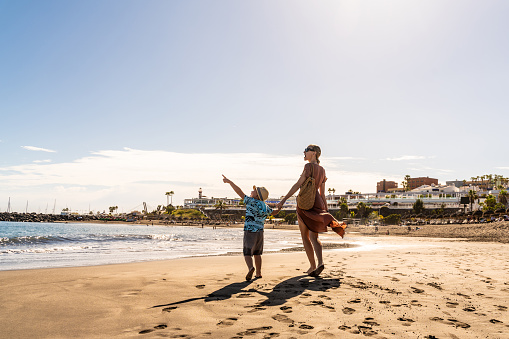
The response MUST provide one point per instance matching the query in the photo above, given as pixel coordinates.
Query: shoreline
(402, 287)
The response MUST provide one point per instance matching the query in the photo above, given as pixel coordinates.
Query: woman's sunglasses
(308, 149)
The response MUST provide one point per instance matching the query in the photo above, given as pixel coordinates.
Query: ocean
(43, 245)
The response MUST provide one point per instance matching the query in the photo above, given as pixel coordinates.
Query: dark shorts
(253, 243)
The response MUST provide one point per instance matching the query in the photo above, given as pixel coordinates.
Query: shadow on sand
(279, 295)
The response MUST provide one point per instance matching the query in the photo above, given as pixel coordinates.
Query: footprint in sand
(324, 334)
(200, 287)
(348, 310)
(367, 331)
(283, 319)
(501, 308)
(415, 303)
(256, 309)
(435, 285)
(252, 331)
(169, 309)
(354, 301)
(495, 321)
(469, 309)
(451, 304)
(451, 321)
(158, 327)
(306, 327)
(416, 290)
(227, 322)
(370, 321)
(286, 309)
(406, 321)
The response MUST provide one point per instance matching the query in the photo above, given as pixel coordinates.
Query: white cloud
(503, 168)
(430, 169)
(407, 157)
(38, 149)
(128, 177)
(42, 161)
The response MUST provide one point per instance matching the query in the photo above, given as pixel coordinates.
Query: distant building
(457, 183)
(384, 186)
(436, 189)
(205, 202)
(418, 182)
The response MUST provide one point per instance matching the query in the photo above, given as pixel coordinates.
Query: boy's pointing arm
(235, 187)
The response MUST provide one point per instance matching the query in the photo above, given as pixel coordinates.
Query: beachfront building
(384, 186)
(414, 183)
(203, 202)
(433, 196)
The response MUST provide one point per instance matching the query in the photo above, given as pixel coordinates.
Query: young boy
(256, 213)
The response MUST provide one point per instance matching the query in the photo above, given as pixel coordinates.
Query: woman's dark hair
(316, 148)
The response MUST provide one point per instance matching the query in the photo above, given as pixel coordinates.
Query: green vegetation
(385, 211)
(472, 195)
(291, 218)
(188, 214)
(418, 206)
(490, 204)
(503, 197)
(343, 211)
(393, 219)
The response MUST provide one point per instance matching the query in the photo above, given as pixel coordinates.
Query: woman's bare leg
(317, 246)
(308, 247)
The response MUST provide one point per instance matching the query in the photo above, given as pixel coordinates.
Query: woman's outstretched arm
(292, 191)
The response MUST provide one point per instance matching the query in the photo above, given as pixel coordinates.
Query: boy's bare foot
(311, 269)
(258, 277)
(249, 274)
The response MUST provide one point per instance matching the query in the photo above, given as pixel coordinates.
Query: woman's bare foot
(318, 270)
(311, 269)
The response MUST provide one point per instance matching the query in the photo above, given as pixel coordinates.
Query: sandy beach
(389, 287)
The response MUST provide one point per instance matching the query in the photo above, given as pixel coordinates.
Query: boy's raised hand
(226, 180)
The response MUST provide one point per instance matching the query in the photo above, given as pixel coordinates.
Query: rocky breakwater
(34, 217)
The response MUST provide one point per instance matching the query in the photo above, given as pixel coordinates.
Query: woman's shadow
(279, 295)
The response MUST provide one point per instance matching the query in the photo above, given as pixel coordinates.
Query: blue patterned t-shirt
(256, 213)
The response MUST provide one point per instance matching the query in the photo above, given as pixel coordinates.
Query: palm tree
(502, 197)
(472, 195)
(220, 205)
(405, 182)
(169, 194)
(418, 206)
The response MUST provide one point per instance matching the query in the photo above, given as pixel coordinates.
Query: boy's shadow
(221, 294)
(279, 295)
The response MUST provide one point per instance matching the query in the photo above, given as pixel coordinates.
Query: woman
(315, 220)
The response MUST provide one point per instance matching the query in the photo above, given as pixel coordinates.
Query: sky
(114, 103)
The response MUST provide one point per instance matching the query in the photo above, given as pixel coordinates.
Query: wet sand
(389, 287)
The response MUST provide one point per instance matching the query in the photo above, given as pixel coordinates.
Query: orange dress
(318, 218)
